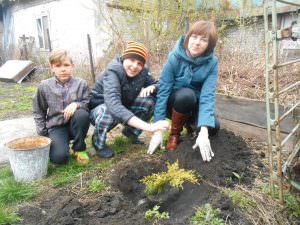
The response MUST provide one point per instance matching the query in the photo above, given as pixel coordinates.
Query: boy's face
(132, 67)
(63, 69)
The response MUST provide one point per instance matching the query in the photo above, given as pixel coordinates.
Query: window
(42, 30)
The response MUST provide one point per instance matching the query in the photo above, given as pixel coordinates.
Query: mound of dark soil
(232, 155)
(127, 202)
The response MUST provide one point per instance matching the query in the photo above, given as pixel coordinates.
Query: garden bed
(236, 168)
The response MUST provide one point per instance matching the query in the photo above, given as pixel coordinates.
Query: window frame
(42, 38)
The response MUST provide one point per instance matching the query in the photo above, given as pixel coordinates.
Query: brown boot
(178, 120)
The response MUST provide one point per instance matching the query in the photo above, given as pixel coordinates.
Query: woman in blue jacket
(187, 88)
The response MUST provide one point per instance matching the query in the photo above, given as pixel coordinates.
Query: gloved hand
(145, 92)
(156, 140)
(203, 143)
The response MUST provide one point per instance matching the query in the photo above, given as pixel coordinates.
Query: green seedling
(96, 185)
(238, 176)
(207, 215)
(155, 216)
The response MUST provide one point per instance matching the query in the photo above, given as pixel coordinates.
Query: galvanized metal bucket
(28, 157)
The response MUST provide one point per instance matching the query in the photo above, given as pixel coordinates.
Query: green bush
(174, 177)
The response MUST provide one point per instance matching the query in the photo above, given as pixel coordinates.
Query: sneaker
(105, 152)
(132, 137)
(82, 157)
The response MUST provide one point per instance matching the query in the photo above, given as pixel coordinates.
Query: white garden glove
(156, 140)
(203, 143)
(145, 92)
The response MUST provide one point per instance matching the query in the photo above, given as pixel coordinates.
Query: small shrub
(174, 177)
(7, 216)
(96, 185)
(207, 215)
(156, 216)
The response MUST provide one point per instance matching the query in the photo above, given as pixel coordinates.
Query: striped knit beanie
(135, 50)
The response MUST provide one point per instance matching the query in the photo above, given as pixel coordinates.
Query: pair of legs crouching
(76, 129)
(103, 121)
(183, 108)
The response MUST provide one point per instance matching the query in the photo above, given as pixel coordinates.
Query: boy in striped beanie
(123, 94)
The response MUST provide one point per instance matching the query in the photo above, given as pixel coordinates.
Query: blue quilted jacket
(200, 74)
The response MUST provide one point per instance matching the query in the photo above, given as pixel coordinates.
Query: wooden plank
(248, 111)
(15, 70)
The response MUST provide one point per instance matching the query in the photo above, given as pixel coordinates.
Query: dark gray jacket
(114, 89)
(53, 97)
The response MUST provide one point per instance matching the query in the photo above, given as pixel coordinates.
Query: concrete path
(11, 129)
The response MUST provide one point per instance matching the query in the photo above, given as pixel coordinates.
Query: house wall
(69, 23)
(1, 35)
(247, 42)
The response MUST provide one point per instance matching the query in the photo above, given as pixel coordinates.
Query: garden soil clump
(126, 201)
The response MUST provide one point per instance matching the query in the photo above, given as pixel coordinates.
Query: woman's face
(197, 45)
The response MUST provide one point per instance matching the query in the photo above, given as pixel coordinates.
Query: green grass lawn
(16, 99)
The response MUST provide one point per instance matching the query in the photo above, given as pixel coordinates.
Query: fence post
(49, 41)
(91, 58)
(25, 52)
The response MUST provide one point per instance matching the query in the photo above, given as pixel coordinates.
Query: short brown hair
(205, 28)
(58, 55)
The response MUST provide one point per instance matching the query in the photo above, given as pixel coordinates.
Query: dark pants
(185, 101)
(75, 130)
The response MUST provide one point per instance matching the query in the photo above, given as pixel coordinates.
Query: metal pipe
(290, 159)
(285, 63)
(290, 134)
(289, 3)
(289, 111)
(289, 87)
(276, 101)
(267, 79)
